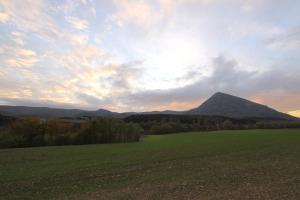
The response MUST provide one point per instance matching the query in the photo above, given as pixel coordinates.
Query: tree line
(164, 123)
(29, 132)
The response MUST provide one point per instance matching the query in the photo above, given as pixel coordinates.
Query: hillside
(231, 106)
(21, 111)
(220, 104)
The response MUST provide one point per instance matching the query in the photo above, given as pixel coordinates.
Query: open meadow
(248, 164)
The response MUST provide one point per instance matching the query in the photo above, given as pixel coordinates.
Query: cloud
(78, 39)
(18, 37)
(137, 12)
(32, 17)
(80, 59)
(190, 76)
(223, 77)
(24, 52)
(287, 40)
(114, 85)
(124, 75)
(21, 57)
(91, 88)
(295, 113)
(142, 13)
(103, 86)
(80, 76)
(36, 18)
(111, 80)
(21, 62)
(91, 61)
(70, 7)
(89, 99)
(281, 99)
(77, 23)
(4, 17)
(226, 77)
(37, 103)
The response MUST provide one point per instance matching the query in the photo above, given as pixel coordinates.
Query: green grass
(251, 164)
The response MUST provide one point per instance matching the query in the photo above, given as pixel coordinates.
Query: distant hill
(222, 104)
(22, 111)
(99, 113)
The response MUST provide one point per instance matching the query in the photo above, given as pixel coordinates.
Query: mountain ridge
(223, 104)
(219, 104)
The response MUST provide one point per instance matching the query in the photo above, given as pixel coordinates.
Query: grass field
(251, 164)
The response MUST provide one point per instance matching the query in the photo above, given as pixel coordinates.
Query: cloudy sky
(142, 55)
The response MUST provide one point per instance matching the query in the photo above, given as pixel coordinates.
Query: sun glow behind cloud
(170, 58)
(148, 55)
(295, 113)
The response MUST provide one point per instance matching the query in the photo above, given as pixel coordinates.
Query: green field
(251, 164)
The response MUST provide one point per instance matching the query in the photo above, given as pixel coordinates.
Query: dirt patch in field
(277, 190)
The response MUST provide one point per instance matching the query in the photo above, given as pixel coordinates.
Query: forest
(34, 131)
(29, 132)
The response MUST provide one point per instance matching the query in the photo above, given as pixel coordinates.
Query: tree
(227, 124)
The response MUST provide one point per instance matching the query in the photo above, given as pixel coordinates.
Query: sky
(145, 55)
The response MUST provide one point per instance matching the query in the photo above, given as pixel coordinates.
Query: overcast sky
(139, 55)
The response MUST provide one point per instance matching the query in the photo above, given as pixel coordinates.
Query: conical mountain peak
(232, 106)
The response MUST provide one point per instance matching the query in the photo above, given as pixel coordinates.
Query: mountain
(99, 113)
(222, 104)
(52, 112)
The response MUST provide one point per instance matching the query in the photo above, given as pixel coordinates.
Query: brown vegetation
(29, 132)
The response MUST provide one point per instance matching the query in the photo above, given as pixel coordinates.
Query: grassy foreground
(251, 164)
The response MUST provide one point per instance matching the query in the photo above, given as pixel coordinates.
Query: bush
(227, 125)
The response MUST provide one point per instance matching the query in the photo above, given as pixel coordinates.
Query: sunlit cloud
(295, 113)
(19, 37)
(21, 62)
(4, 17)
(79, 39)
(33, 17)
(142, 13)
(24, 52)
(81, 59)
(68, 7)
(77, 23)
(24, 93)
(138, 12)
(22, 58)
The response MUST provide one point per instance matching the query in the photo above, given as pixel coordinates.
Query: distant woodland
(33, 131)
(29, 132)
